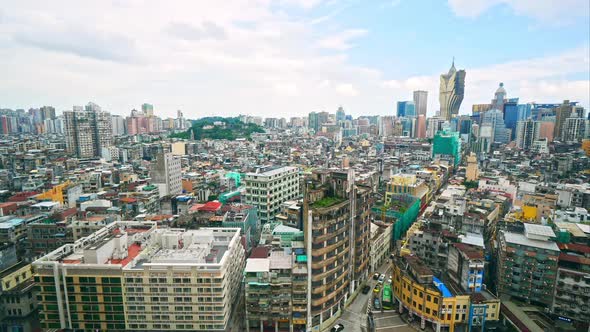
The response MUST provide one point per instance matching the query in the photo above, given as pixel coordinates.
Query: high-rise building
(494, 119)
(268, 189)
(147, 109)
(447, 145)
(385, 125)
(499, 98)
(133, 276)
(574, 126)
(314, 121)
(340, 114)
(421, 126)
(118, 124)
(47, 112)
(527, 264)
(406, 109)
(433, 125)
(87, 131)
(573, 274)
(546, 130)
(421, 102)
(527, 132)
(452, 89)
(562, 112)
(336, 231)
(166, 174)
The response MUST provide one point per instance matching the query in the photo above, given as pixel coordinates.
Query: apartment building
(527, 264)
(338, 248)
(440, 304)
(465, 266)
(268, 189)
(571, 298)
(194, 280)
(276, 278)
(380, 244)
(130, 275)
(268, 288)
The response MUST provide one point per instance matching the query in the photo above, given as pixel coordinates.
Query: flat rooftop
(516, 238)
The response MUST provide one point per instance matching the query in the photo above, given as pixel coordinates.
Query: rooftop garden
(327, 202)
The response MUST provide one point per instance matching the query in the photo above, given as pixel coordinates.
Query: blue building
(406, 108)
(514, 112)
(465, 126)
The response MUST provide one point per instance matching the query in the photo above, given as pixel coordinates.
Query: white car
(381, 278)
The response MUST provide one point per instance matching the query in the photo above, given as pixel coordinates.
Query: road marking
(389, 327)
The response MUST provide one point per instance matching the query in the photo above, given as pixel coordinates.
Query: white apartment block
(133, 276)
(185, 280)
(268, 190)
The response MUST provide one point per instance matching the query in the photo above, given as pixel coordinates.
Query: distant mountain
(216, 127)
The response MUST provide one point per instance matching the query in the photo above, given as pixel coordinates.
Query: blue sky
(288, 57)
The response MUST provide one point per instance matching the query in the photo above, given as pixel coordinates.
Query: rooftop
(538, 230)
(520, 239)
(470, 251)
(257, 265)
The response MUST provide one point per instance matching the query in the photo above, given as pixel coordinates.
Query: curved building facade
(452, 90)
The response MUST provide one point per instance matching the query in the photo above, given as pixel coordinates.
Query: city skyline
(295, 56)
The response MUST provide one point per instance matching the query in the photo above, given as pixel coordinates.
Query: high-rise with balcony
(336, 231)
(268, 189)
(452, 89)
(527, 264)
(527, 132)
(572, 296)
(87, 131)
(275, 281)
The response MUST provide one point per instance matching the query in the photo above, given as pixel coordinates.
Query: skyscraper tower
(420, 102)
(499, 98)
(87, 131)
(452, 89)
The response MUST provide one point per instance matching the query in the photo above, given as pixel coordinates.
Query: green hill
(231, 129)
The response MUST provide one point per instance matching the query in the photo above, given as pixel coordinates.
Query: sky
(286, 58)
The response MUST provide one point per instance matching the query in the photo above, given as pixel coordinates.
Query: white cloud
(226, 58)
(347, 89)
(341, 41)
(539, 9)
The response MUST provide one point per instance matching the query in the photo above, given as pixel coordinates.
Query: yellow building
(586, 146)
(442, 305)
(17, 291)
(407, 184)
(55, 194)
(178, 148)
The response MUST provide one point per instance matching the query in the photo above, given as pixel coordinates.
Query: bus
(387, 299)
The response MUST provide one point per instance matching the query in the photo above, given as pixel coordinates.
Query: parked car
(337, 328)
(377, 289)
(376, 304)
(366, 289)
(375, 276)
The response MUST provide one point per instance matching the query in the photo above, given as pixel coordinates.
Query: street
(354, 317)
